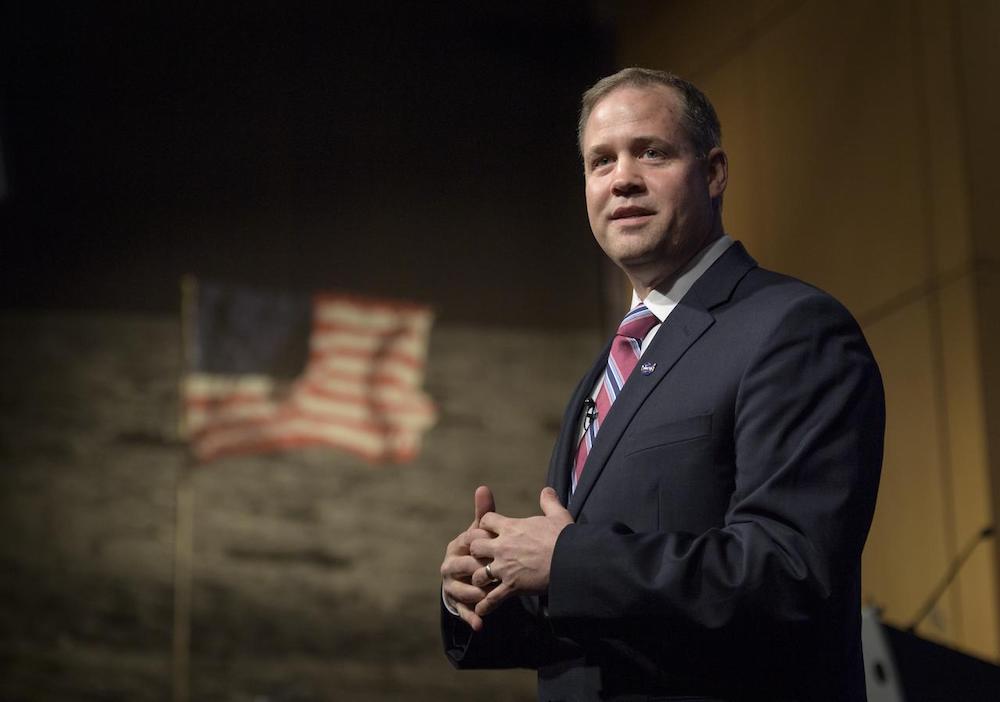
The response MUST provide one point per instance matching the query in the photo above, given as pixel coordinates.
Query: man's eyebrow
(660, 141)
(640, 140)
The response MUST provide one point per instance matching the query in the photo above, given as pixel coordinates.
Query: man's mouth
(631, 212)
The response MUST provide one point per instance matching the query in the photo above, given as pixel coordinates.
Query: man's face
(649, 197)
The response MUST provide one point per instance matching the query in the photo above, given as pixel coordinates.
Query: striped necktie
(625, 351)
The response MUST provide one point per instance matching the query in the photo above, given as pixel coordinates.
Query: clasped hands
(518, 552)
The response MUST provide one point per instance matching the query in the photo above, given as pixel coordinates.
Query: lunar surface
(314, 575)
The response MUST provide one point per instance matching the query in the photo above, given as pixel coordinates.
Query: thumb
(550, 504)
(484, 503)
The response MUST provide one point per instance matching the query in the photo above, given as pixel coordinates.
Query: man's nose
(628, 180)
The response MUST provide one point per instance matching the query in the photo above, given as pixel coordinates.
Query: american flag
(276, 371)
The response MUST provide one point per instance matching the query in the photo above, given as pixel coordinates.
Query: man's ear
(717, 171)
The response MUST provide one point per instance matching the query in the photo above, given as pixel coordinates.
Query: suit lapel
(682, 328)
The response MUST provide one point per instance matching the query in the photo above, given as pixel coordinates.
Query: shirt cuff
(447, 604)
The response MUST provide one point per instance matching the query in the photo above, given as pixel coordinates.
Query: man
(714, 480)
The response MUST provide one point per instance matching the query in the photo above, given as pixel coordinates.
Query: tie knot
(637, 323)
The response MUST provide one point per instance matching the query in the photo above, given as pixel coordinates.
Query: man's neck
(665, 278)
(665, 297)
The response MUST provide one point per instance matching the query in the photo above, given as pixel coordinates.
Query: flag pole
(184, 510)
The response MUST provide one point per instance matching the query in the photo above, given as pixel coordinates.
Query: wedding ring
(489, 574)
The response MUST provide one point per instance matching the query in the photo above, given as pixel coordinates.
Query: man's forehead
(631, 104)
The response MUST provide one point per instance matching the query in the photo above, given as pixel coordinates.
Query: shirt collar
(661, 301)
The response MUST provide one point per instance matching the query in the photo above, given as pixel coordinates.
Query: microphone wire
(956, 565)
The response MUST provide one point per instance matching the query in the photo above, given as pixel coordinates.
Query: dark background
(419, 150)
(416, 150)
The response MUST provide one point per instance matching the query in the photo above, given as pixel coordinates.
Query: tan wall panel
(979, 36)
(690, 38)
(907, 549)
(987, 285)
(838, 137)
(733, 94)
(942, 146)
(961, 384)
(978, 39)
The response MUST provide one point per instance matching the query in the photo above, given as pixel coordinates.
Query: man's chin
(637, 259)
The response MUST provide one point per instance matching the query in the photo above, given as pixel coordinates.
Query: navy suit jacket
(721, 514)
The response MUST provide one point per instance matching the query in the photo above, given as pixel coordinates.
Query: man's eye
(652, 153)
(600, 161)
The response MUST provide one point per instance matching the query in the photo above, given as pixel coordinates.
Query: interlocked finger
(493, 599)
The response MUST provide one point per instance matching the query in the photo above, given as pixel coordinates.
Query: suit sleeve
(808, 422)
(513, 637)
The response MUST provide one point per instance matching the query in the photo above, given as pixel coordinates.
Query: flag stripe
(316, 422)
(373, 399)
(369, 443)
(338, 351)
(354, 369)
(324, 325)
(360, 390)
(245, 447)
